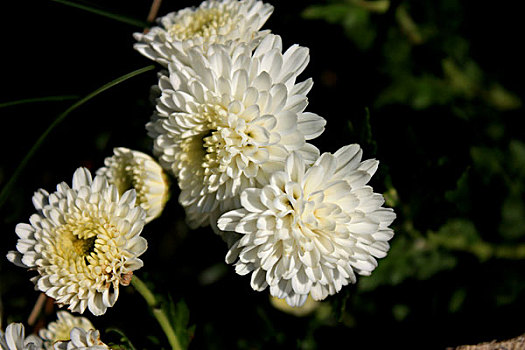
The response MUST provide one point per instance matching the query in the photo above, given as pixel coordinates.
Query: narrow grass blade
(38, 99)
(104, 13)
(9, 185)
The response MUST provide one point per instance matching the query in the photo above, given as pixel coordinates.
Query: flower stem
(158, 312)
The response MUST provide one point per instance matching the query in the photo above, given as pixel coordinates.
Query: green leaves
(179, 316)
(172, 318)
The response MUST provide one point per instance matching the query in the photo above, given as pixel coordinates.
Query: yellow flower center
(77, 239)
(202, 22)
(128, 175)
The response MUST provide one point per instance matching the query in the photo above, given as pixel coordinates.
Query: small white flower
(229, 119)
(213, 22)
(311, 229)
(14, 339)
(82, 340)
(60, 329)
(129, 169)
(83, 241)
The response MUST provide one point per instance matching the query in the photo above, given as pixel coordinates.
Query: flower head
(311, 228)
(228, 121)
(84, 241)
(82, 340)
(60, 329)
(14, 339)
(129, 169)
(213, 22)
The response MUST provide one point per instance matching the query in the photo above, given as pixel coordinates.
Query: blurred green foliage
(432, 89)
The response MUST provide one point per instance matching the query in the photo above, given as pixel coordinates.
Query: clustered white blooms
(213, 22)
(14, 339)
(67, 333)
(84, 241)
(60, 329)
(129, 169)
(82, 340)
(311, 228)
(230, 124)
(229, 119)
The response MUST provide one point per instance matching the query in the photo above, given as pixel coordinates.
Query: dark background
(434, 90)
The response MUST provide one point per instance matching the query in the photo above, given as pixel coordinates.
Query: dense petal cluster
(128, 169)
(14, 339)
(84, 241)
(82, 340)
(60, 329)
(311, 229)
(213, 22)
(228, 121)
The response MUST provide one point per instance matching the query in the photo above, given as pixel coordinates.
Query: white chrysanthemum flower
(213, 22)
(60, 329)
(129, 169)
(311, 229)
(83, 241)
(14, 339)
(82, 340)
(229, 120)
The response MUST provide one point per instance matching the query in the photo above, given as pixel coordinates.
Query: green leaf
(179, 316)
(123, 339)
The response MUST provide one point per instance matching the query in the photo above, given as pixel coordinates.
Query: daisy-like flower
(213, 22)
(14, 339)
(82, 340)
(60, 329)
(228, 121)
(84, 241)
(129, 169)
(311, 229)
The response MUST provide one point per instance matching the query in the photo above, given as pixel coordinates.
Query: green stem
(7, 188)
(158, 312)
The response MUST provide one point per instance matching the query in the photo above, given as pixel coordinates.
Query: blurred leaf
(460, 196)
(517, 160)
(352, 15)
(407, 259)
(400, 311)
(457, 299)
(502, 99)
(512, 224)
(461, 235)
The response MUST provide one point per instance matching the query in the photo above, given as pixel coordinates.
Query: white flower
(213, 22)
(129, 169)
(311, 229)
(14, 339)
(229, 120)
(82, 340)
(83, 241)
(60, 329)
